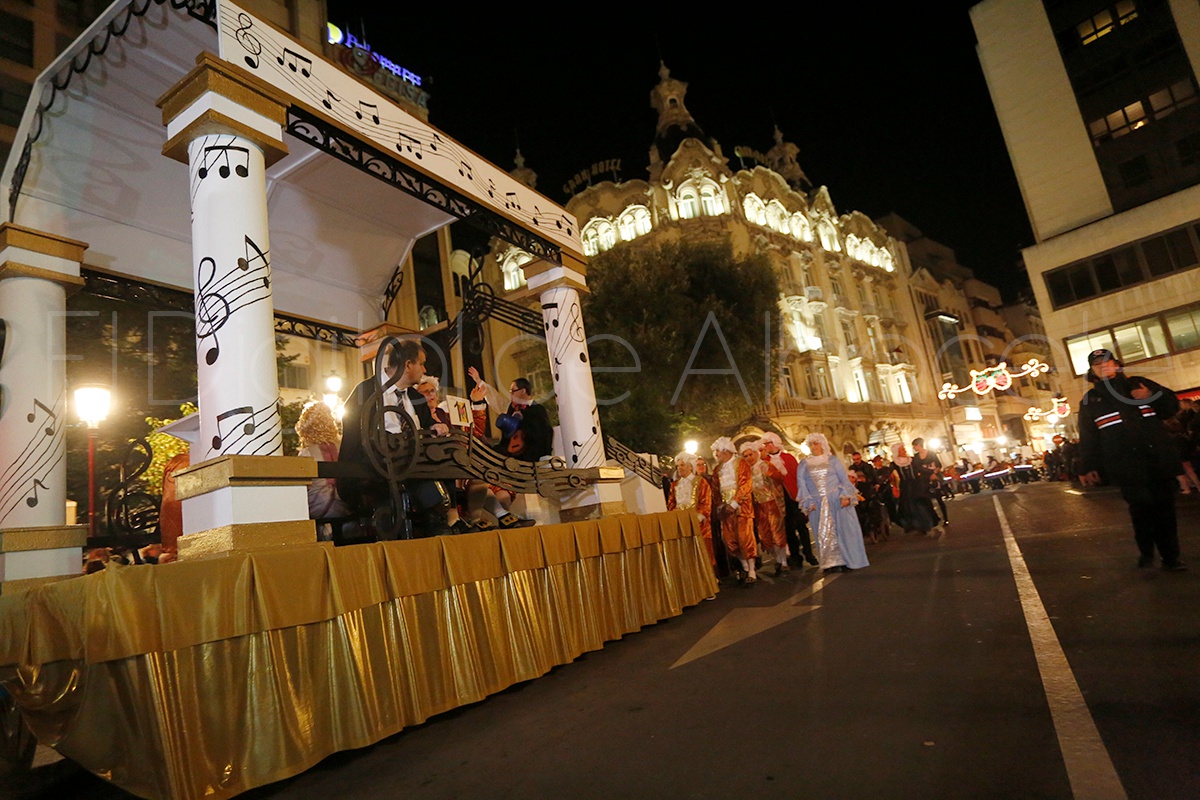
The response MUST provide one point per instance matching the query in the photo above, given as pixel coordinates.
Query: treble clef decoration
(248, 40)
(212, 310)
(392, 455)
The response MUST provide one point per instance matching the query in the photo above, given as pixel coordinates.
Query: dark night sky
(888, 106)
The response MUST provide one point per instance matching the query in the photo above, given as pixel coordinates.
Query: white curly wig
(818, 438)
(724, 443)
(686, 458)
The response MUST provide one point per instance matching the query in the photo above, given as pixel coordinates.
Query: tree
(662, 316)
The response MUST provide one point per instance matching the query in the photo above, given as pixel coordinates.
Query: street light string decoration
(1059, 409)
(997, 378)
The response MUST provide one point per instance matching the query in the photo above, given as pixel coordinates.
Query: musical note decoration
(218, 298)
(356, 108)
(30, 471)
(1059, 408)
(997, 378)
(245, 430)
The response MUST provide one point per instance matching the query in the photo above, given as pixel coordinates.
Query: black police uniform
(1125, 440)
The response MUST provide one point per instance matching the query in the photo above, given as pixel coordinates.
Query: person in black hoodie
(1122, 436)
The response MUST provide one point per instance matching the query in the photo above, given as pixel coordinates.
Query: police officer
(1122, 435)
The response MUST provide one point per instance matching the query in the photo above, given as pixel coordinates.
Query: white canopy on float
(96, 171)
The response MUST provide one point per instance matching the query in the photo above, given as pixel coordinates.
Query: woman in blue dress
(828, 497)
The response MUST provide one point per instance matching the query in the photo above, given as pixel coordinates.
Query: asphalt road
(917, 677)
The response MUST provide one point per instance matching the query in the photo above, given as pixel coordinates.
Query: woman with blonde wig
(828, 497)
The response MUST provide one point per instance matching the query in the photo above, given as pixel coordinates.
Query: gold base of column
(49, 537)
(246, 536)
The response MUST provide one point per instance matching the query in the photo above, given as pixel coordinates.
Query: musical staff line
(378, 120)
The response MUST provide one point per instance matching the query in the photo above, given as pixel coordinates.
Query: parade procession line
(1089, 766)
(202, 679)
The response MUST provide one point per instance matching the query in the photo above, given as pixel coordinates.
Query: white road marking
(1089, 767)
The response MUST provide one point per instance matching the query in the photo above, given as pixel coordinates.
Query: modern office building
(1098, 103)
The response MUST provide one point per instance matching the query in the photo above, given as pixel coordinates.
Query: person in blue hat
(1123, 439)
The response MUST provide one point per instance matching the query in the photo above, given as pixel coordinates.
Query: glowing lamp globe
(691, 446)
(92, 404)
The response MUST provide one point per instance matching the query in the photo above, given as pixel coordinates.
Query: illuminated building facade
(968, 328)
(852, 363)
(1098, 105)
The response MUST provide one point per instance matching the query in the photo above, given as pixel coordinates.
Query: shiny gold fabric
(207, 678)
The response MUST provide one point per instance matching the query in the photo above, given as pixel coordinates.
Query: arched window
(608, 234)
(853, 246)
(514, 276)
(591, 239)
(801, 229)
(688, 203)
(634, 222)
(777, 216)
(756, 212)
(710, 199)
(598, 235)
(886, 261)
(828, 235)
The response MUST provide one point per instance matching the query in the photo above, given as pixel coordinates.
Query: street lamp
(91, 405)
(331, 398)
(691, 446)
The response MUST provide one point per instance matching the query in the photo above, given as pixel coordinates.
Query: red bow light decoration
(1060, 408)
(996, 378)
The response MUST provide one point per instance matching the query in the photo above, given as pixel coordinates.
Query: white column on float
(33, 469)
(570, 363)
(235, 313)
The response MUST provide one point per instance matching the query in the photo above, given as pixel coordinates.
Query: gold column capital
(212, 76)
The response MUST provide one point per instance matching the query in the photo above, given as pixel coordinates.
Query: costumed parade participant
(828, 497)
(693, 491)
(794, 523)
(768, 505)
(524, 424)
(1123, 438)
(736, 511)
(914, 504)
(319, 439)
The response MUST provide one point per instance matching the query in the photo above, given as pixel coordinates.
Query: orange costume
(695, 493)
(737, 486)
(768, 505)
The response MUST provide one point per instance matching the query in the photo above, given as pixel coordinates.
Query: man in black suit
(407, 358)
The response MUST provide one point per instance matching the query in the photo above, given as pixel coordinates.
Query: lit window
(514, 276)
(756, 212)
(591, 240)
(598, 235)
(634, 222)
(689, 205)
(860, 387)
(1119, 123)
(1126, 11)
(1092, 29)
(800, 227)
(1078, 348)
(1140, 340)
(710, 203)
(828, 235)
(777, 216)
(903, 388)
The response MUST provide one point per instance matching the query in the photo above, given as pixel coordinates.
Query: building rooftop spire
(675, 122)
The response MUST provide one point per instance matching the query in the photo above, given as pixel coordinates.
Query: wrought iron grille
(362, 156)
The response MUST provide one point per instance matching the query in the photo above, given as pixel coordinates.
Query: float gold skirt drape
(207, 678)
